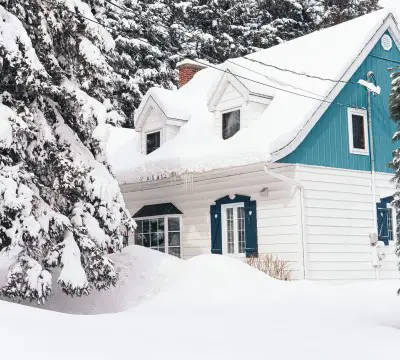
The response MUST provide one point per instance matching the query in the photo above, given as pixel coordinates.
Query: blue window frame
(386, 220)
(234, 226)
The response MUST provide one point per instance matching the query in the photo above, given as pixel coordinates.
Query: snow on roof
(328, 53)
(171, 103)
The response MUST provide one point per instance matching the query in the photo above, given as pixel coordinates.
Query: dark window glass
(358, 132)
(152, 142)
(230, 124)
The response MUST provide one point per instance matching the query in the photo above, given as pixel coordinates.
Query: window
(160, 233)
(230, 124)
(391, 220)
(387, 220)
(358, 131)
(233, 229)
(152, 141)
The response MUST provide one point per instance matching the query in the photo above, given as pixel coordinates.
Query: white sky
(390, 3)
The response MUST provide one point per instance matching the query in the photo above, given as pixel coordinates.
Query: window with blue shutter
(234, 226)
(385, 223)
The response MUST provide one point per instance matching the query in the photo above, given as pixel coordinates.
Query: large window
(160, 233)
(152, 141)
(233, 229)
(230, 124)
(358, 131)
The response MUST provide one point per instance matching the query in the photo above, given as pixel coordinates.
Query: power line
(96, 22)
(272, 86)
(300, 73)
(267, 77)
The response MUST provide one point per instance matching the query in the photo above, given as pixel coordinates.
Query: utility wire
(272, 86)
(267, 77)
(325, 99)
(299, 73)
(96, 22)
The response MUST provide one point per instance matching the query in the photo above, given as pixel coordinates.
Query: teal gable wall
(327, 144)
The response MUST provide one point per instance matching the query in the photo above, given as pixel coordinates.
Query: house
(284, 151)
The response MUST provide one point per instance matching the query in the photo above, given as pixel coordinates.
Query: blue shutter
(383, 231)
(251, 229)
(216, 233)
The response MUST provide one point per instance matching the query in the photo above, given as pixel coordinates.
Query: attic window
(152, 141)
(358, 132)
(230, 124)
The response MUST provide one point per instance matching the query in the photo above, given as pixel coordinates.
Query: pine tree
(59, 205)
(394, 109)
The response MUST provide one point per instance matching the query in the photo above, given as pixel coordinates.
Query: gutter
(300, 186)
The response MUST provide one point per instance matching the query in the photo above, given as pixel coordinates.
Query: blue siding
(327, 144)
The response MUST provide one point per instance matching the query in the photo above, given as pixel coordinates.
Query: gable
(327, 143)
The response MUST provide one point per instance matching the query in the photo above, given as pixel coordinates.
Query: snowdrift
(209, 307)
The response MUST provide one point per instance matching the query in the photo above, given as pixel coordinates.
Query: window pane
(161, 224)
(230, 124)
(139, 224)
(154, 225)
(146, 240)
(358, 132)
(173, 224)
(152, 142)
(230, 230)
(138, 239)
(146, 226)
(241, 230)
(174, 239)
(175, 251)
(390, 223)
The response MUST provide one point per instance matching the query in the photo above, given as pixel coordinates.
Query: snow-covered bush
(271, 265)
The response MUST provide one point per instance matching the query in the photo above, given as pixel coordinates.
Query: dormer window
(152, 141)
(230, 124)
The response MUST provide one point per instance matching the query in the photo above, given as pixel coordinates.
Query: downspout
(300, 186)
(370, 77)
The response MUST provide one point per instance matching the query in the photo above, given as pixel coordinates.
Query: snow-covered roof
(170, 102)
(332, 53)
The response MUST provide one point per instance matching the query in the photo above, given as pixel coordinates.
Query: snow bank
(141, 274)
(211, 307)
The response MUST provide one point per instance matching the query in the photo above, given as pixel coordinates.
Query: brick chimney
(187, 69)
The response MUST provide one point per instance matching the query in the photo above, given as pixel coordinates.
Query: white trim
(364, 114)
(224, 208)
(394, 221)
(160, 130)
(226, 79)
(389, 24)
(165, 217)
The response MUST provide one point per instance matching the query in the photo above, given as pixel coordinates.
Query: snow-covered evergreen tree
(59, 204)
(394, 109)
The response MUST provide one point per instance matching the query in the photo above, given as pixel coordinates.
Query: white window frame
(394, 221)
(149, 133)
(165, 217)
(364, 114)
(227, 111)
(224, 208)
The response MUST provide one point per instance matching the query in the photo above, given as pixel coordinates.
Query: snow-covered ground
(208, 307)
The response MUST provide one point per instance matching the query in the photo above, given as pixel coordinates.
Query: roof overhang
(390, 25)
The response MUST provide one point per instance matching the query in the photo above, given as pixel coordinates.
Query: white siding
(278, 215)
(339, 219)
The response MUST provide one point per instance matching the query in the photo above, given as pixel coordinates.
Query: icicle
(187, 179)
